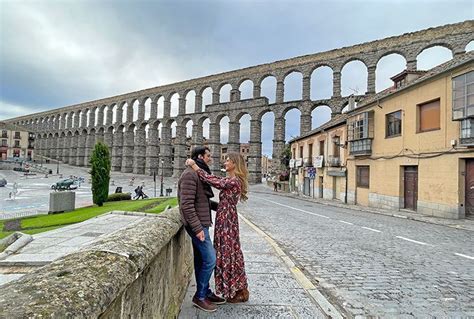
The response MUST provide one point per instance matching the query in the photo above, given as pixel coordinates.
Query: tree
(100, 173)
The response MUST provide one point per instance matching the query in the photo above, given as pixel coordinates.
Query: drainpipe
(346, 177)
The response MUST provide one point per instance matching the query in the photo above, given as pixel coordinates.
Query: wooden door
(410, 187)
(469, 187)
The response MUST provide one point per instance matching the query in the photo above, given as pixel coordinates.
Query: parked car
(65, 184)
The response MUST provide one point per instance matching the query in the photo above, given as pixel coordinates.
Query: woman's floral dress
(230, 269)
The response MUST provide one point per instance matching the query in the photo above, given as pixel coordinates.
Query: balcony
(17, 137)
(361, 147)
(467, 133)
(333, 161)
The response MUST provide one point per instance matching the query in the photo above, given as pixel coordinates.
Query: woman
(230, 277)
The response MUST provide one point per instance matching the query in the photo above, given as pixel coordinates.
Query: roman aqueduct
(69, 133)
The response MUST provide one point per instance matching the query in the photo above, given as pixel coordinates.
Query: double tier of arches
(139, 126)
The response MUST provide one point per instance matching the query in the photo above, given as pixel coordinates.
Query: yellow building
(15, 142)
(318, 163)
(411, 147)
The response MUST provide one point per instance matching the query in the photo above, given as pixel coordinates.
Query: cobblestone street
(369, 264)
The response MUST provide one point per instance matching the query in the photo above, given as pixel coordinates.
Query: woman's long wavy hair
(241, 172)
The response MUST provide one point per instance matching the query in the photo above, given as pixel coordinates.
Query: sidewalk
(465, 224)
(277, 288)
(54, 244)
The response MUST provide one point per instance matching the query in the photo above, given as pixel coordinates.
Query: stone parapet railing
(139, 272)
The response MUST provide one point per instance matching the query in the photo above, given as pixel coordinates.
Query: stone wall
(139, 272)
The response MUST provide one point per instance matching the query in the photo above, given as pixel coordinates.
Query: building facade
(16, 142)
(318, 161)
(412, 147)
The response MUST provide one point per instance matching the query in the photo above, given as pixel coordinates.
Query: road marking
(301, 210)
(346, 222)
(465, 256)
(414, 241)
(371, 229)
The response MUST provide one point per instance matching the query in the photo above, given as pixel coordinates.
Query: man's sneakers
(204, 304)
(215, 299)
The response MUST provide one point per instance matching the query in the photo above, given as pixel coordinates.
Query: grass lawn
(38, 224)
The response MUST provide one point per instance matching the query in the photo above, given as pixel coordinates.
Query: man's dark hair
(199, 150)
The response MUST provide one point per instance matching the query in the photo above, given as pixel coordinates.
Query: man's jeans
(204, 262)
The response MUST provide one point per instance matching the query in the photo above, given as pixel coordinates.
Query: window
(224, 150)
(428, 116)
(463, 96)
(17, 134)
(17, 143)
(321, 148)
(301, 152)
(293, 153)
(467, 128)
(4, 143)
(361, 126)
(310, 154)
(336, 142)
(363, 176)
(4, 133)
(393, 124)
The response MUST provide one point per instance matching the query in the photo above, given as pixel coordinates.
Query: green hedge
(119, 196)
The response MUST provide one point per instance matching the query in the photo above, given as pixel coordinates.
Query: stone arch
(292, 70)
(190, 96)
(351, 78)
(318, 83)
(146, 102)
(292, 115)
(224, 90)
(320, 114)
(268, 87)
(293, 90)
(433, 44)
(388, 66)
(206, 95)
(174, 104)
(160, 104)
(469, 46)
(433, 55)
(124, 107)
(245, 87)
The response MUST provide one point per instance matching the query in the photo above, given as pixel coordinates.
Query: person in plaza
(230, 276)
(195, 208)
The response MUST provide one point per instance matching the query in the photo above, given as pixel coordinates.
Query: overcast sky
(59, 53)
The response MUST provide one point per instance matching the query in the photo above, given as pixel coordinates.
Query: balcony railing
(361, 147)
(333, 161)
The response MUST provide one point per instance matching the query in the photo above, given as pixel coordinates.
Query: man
(195, 208)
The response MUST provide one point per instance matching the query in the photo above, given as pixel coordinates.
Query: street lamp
(161, 182)
(57, 168)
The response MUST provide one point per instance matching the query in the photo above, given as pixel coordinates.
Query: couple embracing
(225, 257)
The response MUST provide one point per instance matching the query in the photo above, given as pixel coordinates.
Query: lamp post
(161, 179)
(57, 168)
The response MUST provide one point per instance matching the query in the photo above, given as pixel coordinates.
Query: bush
(100, 173)
(119, 196)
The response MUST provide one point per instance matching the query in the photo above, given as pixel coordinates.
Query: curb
(328, 309)
(367, 210)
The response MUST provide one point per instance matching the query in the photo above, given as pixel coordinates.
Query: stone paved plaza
(33, 190)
